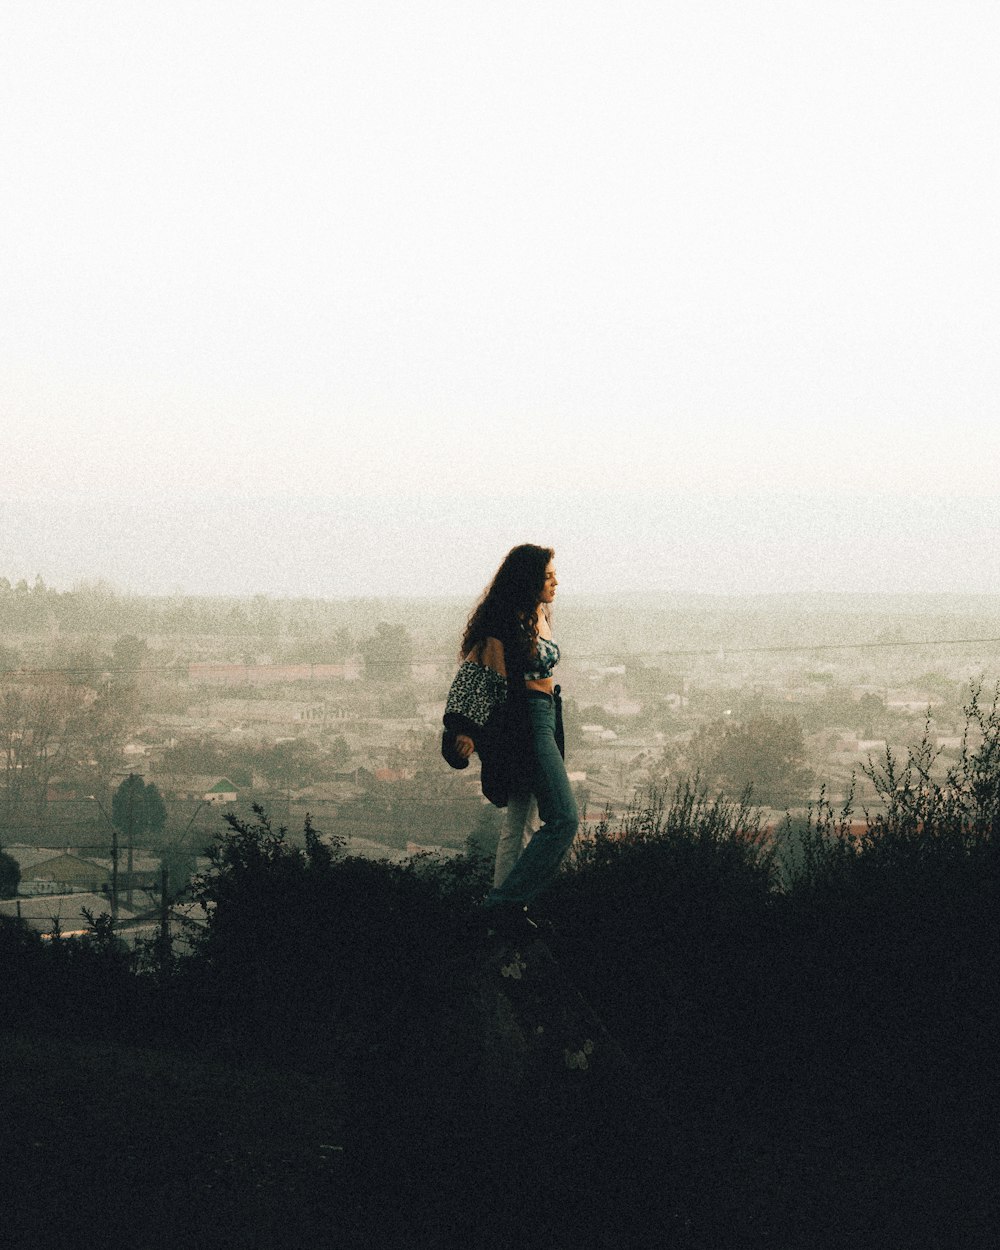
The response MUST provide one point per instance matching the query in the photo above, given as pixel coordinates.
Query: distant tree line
(301, 630)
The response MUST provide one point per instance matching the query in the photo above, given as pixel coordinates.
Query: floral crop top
(546, 658)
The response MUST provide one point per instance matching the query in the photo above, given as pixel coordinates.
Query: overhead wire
(721, 648)
(826, 646)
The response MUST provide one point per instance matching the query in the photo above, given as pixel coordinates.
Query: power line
(827, 646)
(69, 846)
(232, 668)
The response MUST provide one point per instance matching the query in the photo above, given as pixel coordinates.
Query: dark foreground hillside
(850, 1144)
(711, 1050)
(111, 1144)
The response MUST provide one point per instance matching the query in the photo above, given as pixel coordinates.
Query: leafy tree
(33, 742)
(137, 807)
(299, 939)
(156, 809)
(837, 706)
(96, 735)
(128, 653)
(203, 755)
(871, 714)
(338, 752)
(181, 866)
(328, 647)
(128, 804)
(765, 753)
(84, 665)
(286, 764)
(388, 653)
(10, 875)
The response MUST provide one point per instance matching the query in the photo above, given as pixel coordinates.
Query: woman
(504, 705)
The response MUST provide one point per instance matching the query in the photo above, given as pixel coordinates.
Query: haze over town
(313, 299)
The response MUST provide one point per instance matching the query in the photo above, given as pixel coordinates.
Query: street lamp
(181, 840)
(114, 855)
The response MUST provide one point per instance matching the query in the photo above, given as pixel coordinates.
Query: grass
(107, 1144)
(843, 1136)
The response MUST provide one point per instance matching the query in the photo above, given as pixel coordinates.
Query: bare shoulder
(491, 654)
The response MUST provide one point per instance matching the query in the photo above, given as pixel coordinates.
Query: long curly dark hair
(509, 606)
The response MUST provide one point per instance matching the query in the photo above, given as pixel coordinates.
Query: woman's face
(551, 582)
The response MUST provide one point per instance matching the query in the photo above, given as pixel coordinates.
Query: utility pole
(164, 943)
(114, 873)
(164, 895)
(130, 826)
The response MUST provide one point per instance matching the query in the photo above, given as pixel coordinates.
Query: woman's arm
(475, 701)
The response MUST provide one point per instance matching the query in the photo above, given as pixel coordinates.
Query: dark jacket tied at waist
(488, 703)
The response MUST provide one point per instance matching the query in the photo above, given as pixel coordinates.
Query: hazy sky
(706, 294)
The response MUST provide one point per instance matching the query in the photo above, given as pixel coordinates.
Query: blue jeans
(519, 823)
(539, 862)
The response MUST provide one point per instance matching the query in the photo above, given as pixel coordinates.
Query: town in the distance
(130, 725)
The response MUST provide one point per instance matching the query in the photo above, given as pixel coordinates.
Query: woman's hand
(464, 745)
